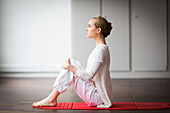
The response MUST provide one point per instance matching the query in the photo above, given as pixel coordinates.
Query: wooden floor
(17, 94)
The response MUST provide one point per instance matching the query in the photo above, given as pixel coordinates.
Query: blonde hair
(104, 25)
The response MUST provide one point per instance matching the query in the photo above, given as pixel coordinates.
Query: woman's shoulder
(102, 48)
(101, 53)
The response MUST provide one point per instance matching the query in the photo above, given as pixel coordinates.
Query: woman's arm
(87, 74)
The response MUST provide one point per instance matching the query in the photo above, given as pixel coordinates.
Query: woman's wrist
(72, 69)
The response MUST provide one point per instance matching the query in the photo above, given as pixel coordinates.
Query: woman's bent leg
(62, 82)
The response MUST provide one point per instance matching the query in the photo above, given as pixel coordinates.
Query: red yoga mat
(115, 106)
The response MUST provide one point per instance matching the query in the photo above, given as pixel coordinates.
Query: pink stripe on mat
(115, 106)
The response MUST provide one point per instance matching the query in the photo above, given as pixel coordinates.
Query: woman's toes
(34, 104)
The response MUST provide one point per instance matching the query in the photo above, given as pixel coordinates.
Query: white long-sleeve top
(98, 70)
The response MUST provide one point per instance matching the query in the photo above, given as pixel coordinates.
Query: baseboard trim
(117, 75)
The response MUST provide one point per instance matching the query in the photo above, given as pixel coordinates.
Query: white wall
(34, 35)
(27, 46)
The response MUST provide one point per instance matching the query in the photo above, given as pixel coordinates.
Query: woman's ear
(99, 30)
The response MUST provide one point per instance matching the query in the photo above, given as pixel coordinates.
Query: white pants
(86, 90)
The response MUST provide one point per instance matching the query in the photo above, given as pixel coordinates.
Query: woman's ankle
(53, 96)
(52, 100)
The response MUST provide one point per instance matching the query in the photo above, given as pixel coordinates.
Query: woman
(92, 84)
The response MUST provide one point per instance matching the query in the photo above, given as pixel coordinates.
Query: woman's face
(92, 30)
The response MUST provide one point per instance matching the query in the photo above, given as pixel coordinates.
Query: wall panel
(149, 35)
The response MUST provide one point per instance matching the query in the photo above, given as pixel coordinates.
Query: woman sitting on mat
(92, 84)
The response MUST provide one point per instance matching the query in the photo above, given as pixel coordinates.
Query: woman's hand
(66, 64)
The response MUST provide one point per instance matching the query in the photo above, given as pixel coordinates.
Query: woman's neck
(100, 41)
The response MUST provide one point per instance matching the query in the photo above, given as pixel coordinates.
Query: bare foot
(45, 103)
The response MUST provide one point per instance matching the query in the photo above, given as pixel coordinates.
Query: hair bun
(109, 26)
(108, 29)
